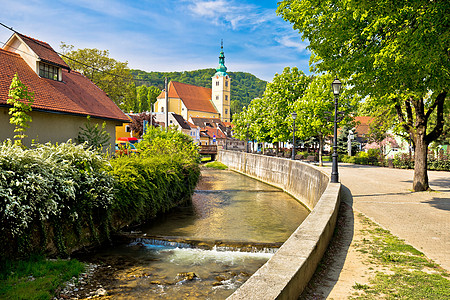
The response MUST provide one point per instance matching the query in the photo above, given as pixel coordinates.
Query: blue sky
(166, 35)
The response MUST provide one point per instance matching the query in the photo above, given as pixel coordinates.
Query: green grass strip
(36, 277)
(411, 275)
(216, 165)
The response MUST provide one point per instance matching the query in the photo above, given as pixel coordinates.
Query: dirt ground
(342, 265)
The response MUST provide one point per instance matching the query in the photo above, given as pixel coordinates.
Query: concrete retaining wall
(287, 273)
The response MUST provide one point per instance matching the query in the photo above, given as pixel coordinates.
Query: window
(226, 83)
(48, 71)
(217, 83)
(226, 97)
(162, 109)
(217, 97)
(127, 128)
(226, 111)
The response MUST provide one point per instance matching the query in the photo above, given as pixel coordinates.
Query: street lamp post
(336, 85)
(294, 116)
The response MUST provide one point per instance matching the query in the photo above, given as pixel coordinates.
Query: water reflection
(229, 206)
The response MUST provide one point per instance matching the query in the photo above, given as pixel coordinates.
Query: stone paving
(384, 195)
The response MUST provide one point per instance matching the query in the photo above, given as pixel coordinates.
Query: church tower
(221, 89)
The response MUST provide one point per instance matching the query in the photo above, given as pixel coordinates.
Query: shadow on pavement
(439, 203)
(383, 194)
(329, 268)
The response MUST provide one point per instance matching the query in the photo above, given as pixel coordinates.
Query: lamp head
(336, 85)
(294, 115)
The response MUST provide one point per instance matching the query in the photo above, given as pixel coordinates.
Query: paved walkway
(422, 219)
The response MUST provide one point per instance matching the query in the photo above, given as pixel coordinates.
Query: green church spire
(221, 69)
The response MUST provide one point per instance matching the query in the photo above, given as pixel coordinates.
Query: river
(235, 224)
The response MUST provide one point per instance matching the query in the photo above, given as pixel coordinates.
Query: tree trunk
(420, 181)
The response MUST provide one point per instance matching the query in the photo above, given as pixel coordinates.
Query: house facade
(62, 98)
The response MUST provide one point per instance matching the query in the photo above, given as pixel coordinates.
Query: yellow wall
(53, 127)
(121, 131)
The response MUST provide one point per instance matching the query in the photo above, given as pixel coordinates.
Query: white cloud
(236, 15)
(292, 41)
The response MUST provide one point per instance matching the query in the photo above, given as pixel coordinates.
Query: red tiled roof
(194, 97)
(76, 94)
(362, 126)
(43, 50)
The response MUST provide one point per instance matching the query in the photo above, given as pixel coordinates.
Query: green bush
(51, 188)
(66, 195)
(162, 176)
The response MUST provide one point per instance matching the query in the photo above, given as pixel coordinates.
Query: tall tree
(142, 98)
(280, 95)
(21, 100)
(396, 51)
(268, 119)
(112, 76)
(314, 111)
(152, 93)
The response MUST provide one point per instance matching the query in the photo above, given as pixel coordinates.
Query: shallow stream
(229, 210)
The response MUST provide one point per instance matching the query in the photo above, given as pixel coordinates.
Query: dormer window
(48, 71)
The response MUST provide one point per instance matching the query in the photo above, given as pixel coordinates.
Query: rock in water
(187, 276)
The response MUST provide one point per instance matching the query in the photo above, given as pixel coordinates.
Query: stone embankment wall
(287, 273)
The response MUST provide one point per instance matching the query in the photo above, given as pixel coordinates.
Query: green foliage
(142, 98)
(21, 101)
(36, 277)
(395, 52)
(56, 186)
(270, 117)
(216, 165)
(162, 176)
(93, 135)
(112, 76)
(244, 86)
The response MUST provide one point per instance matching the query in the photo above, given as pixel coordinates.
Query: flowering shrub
(65, 195)
(51, 187)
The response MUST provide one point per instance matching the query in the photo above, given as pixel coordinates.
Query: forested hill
(244, 86)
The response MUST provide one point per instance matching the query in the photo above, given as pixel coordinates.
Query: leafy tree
(316, 108)
(153, 92)
(112, 76)
(94, 135)
(137, 122)
(269, 117)
(21, 100)
(395, 51)
(142, 98)
(279, 97)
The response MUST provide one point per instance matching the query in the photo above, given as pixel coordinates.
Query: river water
(229, 210)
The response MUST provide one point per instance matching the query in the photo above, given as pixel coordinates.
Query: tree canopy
(112, 76)
(397, 52)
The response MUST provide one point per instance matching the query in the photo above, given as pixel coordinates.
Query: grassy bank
(36, 277)
(411, 275)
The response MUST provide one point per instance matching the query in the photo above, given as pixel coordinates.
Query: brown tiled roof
(194, 97)
(76, 94)
(44, 51)
(362, 127)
